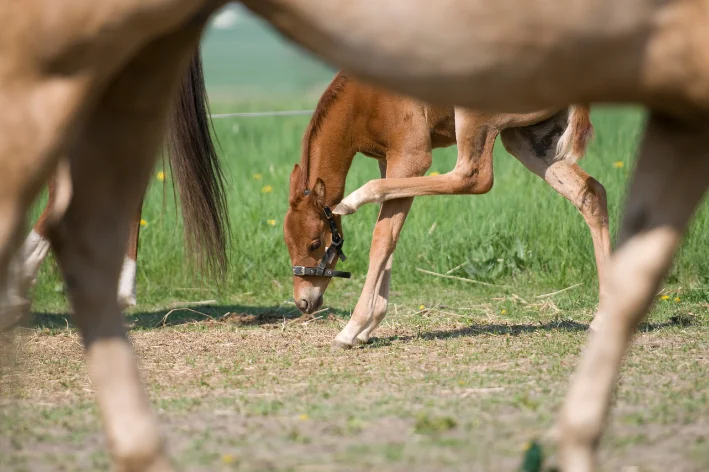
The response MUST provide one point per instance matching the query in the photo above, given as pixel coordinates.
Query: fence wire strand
(257, 114)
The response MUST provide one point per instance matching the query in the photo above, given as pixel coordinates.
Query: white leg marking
(126, 284)
(14, 302)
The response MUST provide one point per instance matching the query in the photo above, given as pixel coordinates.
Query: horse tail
(196, 168)
(578, 133)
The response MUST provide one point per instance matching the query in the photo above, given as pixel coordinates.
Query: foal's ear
(319, 191)
(297, 186)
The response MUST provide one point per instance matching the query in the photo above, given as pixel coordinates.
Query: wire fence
(258, 114)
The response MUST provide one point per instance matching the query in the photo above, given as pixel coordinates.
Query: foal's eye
(315, 245)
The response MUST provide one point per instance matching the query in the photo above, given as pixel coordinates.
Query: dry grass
(441, 388)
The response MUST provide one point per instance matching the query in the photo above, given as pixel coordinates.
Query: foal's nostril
(303, 305)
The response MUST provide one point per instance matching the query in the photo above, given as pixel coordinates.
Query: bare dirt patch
(430, 393)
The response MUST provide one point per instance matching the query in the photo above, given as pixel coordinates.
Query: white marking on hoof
(126, 284)
(344, 209)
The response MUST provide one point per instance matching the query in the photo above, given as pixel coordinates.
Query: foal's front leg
(373, 302)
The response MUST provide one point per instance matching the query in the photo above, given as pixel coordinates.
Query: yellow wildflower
(618, 164)
(503, 312)
(303, 417)
(258, 176)
(143, 223)
(228, 459)
(266, 189)
(421, 307)
(677, 299)
(434, 173)
(665, 297)
(271, 222)
(161, 176)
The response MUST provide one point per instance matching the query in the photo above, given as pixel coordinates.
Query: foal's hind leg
(570, 181)
(111, 163)
(671, 176)
(475, 134)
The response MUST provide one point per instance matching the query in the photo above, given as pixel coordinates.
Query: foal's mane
(326, 100)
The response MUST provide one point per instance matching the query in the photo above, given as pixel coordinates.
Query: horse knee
(475, 182)
(592, 200)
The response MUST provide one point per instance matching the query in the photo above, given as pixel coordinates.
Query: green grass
(541, 239)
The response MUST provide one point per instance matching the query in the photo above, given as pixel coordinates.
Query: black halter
(334, 249)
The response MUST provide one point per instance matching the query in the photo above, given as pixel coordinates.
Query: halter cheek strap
(335, 249)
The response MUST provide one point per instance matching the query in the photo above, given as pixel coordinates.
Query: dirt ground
(434, 391)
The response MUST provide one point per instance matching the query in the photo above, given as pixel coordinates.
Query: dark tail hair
(196, 168)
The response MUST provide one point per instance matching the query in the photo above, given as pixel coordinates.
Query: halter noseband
(334, 249)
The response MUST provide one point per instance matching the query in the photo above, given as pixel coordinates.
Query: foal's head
(307, 236)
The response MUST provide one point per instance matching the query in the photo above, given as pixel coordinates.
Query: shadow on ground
(514, 330)
(236, 314)
(248, 315)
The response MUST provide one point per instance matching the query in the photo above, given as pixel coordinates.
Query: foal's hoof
(126, 301)
(14, 310)
(339, 345)
(362, 341)
(344, 209)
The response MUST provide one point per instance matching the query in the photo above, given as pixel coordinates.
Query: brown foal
(400, 133)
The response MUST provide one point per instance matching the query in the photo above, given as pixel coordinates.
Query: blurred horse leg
(111, 161)
(669, 181)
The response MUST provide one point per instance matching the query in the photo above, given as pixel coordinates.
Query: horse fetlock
(576, 457)
(13, 309)
(126, 300)
(578, 436)
(345, 339)
(142, 450)
(363, 337)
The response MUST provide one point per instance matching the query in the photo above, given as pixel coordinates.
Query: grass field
(458, 378)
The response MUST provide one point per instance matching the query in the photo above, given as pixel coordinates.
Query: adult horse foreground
(89, 84)
(86, 88)
(517, 56)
